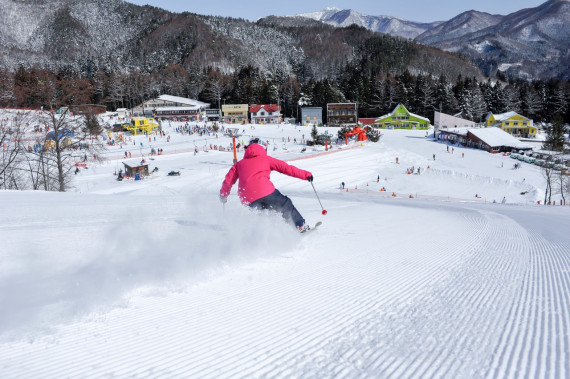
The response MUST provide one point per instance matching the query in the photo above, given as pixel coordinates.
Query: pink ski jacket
(253, 173)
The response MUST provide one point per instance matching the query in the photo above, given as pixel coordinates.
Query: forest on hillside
(375, 92)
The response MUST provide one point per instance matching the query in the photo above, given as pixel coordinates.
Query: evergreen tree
(444, 99)
(555, 135)
(314, 133)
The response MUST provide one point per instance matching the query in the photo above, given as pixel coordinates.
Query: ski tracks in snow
(479, 297)
(505, 309)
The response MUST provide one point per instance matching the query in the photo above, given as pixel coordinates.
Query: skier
(255, 188)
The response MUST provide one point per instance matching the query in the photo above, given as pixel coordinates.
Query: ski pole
(324, 212)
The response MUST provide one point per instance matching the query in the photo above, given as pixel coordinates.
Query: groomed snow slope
(106, 282)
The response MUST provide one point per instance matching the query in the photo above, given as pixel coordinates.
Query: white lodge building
(265, 113)
(168, 107)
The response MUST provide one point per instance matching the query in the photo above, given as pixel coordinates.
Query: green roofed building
(401, 118)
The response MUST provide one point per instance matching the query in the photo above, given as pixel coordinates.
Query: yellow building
(512, 123)
(235, 113)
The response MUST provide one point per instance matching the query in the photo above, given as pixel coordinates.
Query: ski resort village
(443, 248)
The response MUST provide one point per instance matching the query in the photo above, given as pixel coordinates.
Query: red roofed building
(265, 113)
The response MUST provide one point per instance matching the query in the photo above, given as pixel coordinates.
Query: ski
(313, 227)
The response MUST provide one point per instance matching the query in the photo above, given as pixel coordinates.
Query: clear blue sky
(413, 10)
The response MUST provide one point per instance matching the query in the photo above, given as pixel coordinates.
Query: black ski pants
(282, 204)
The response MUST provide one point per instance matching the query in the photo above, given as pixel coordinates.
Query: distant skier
(504, 200)
(255, 188)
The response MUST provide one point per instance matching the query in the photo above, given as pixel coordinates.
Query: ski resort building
(445, 121)
(265, 113)
(339, 114)
(172, 107)
(493, 140)
(214, 114)
(512, 123)
(235, 113)
(136, 171)
(311, 116)
(401, 118)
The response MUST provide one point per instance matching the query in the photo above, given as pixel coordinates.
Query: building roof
(183, 100)
(170, 109)
(504, 116)
(410, 113)
(456, 131)
(494, 136)
(254, 108)
(367, 120)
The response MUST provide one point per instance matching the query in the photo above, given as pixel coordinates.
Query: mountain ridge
(533, 42)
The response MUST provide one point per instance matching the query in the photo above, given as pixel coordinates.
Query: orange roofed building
(265, 113)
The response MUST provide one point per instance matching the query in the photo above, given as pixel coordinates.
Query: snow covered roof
(171, 109)
(410, 113)
(183, 100)
(496, 137)
(492, 136)
(457, 131)
(504, 116)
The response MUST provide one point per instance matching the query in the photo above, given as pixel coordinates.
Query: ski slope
(105, 280)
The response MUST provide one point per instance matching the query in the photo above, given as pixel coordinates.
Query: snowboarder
(255, 188)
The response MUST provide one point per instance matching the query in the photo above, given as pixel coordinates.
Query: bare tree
(12, 131)
(562, 179)
(548, 174)
(67, 136)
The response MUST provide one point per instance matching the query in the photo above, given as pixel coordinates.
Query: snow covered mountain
(464, 24)
(530, 43)
(74, 34)
(384, 24)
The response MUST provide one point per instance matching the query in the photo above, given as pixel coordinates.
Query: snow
(103, 280)
(183, 100)
(506, 66)
(496, 137)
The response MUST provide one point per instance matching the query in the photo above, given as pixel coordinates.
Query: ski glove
(310, 178)
(223, 199)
